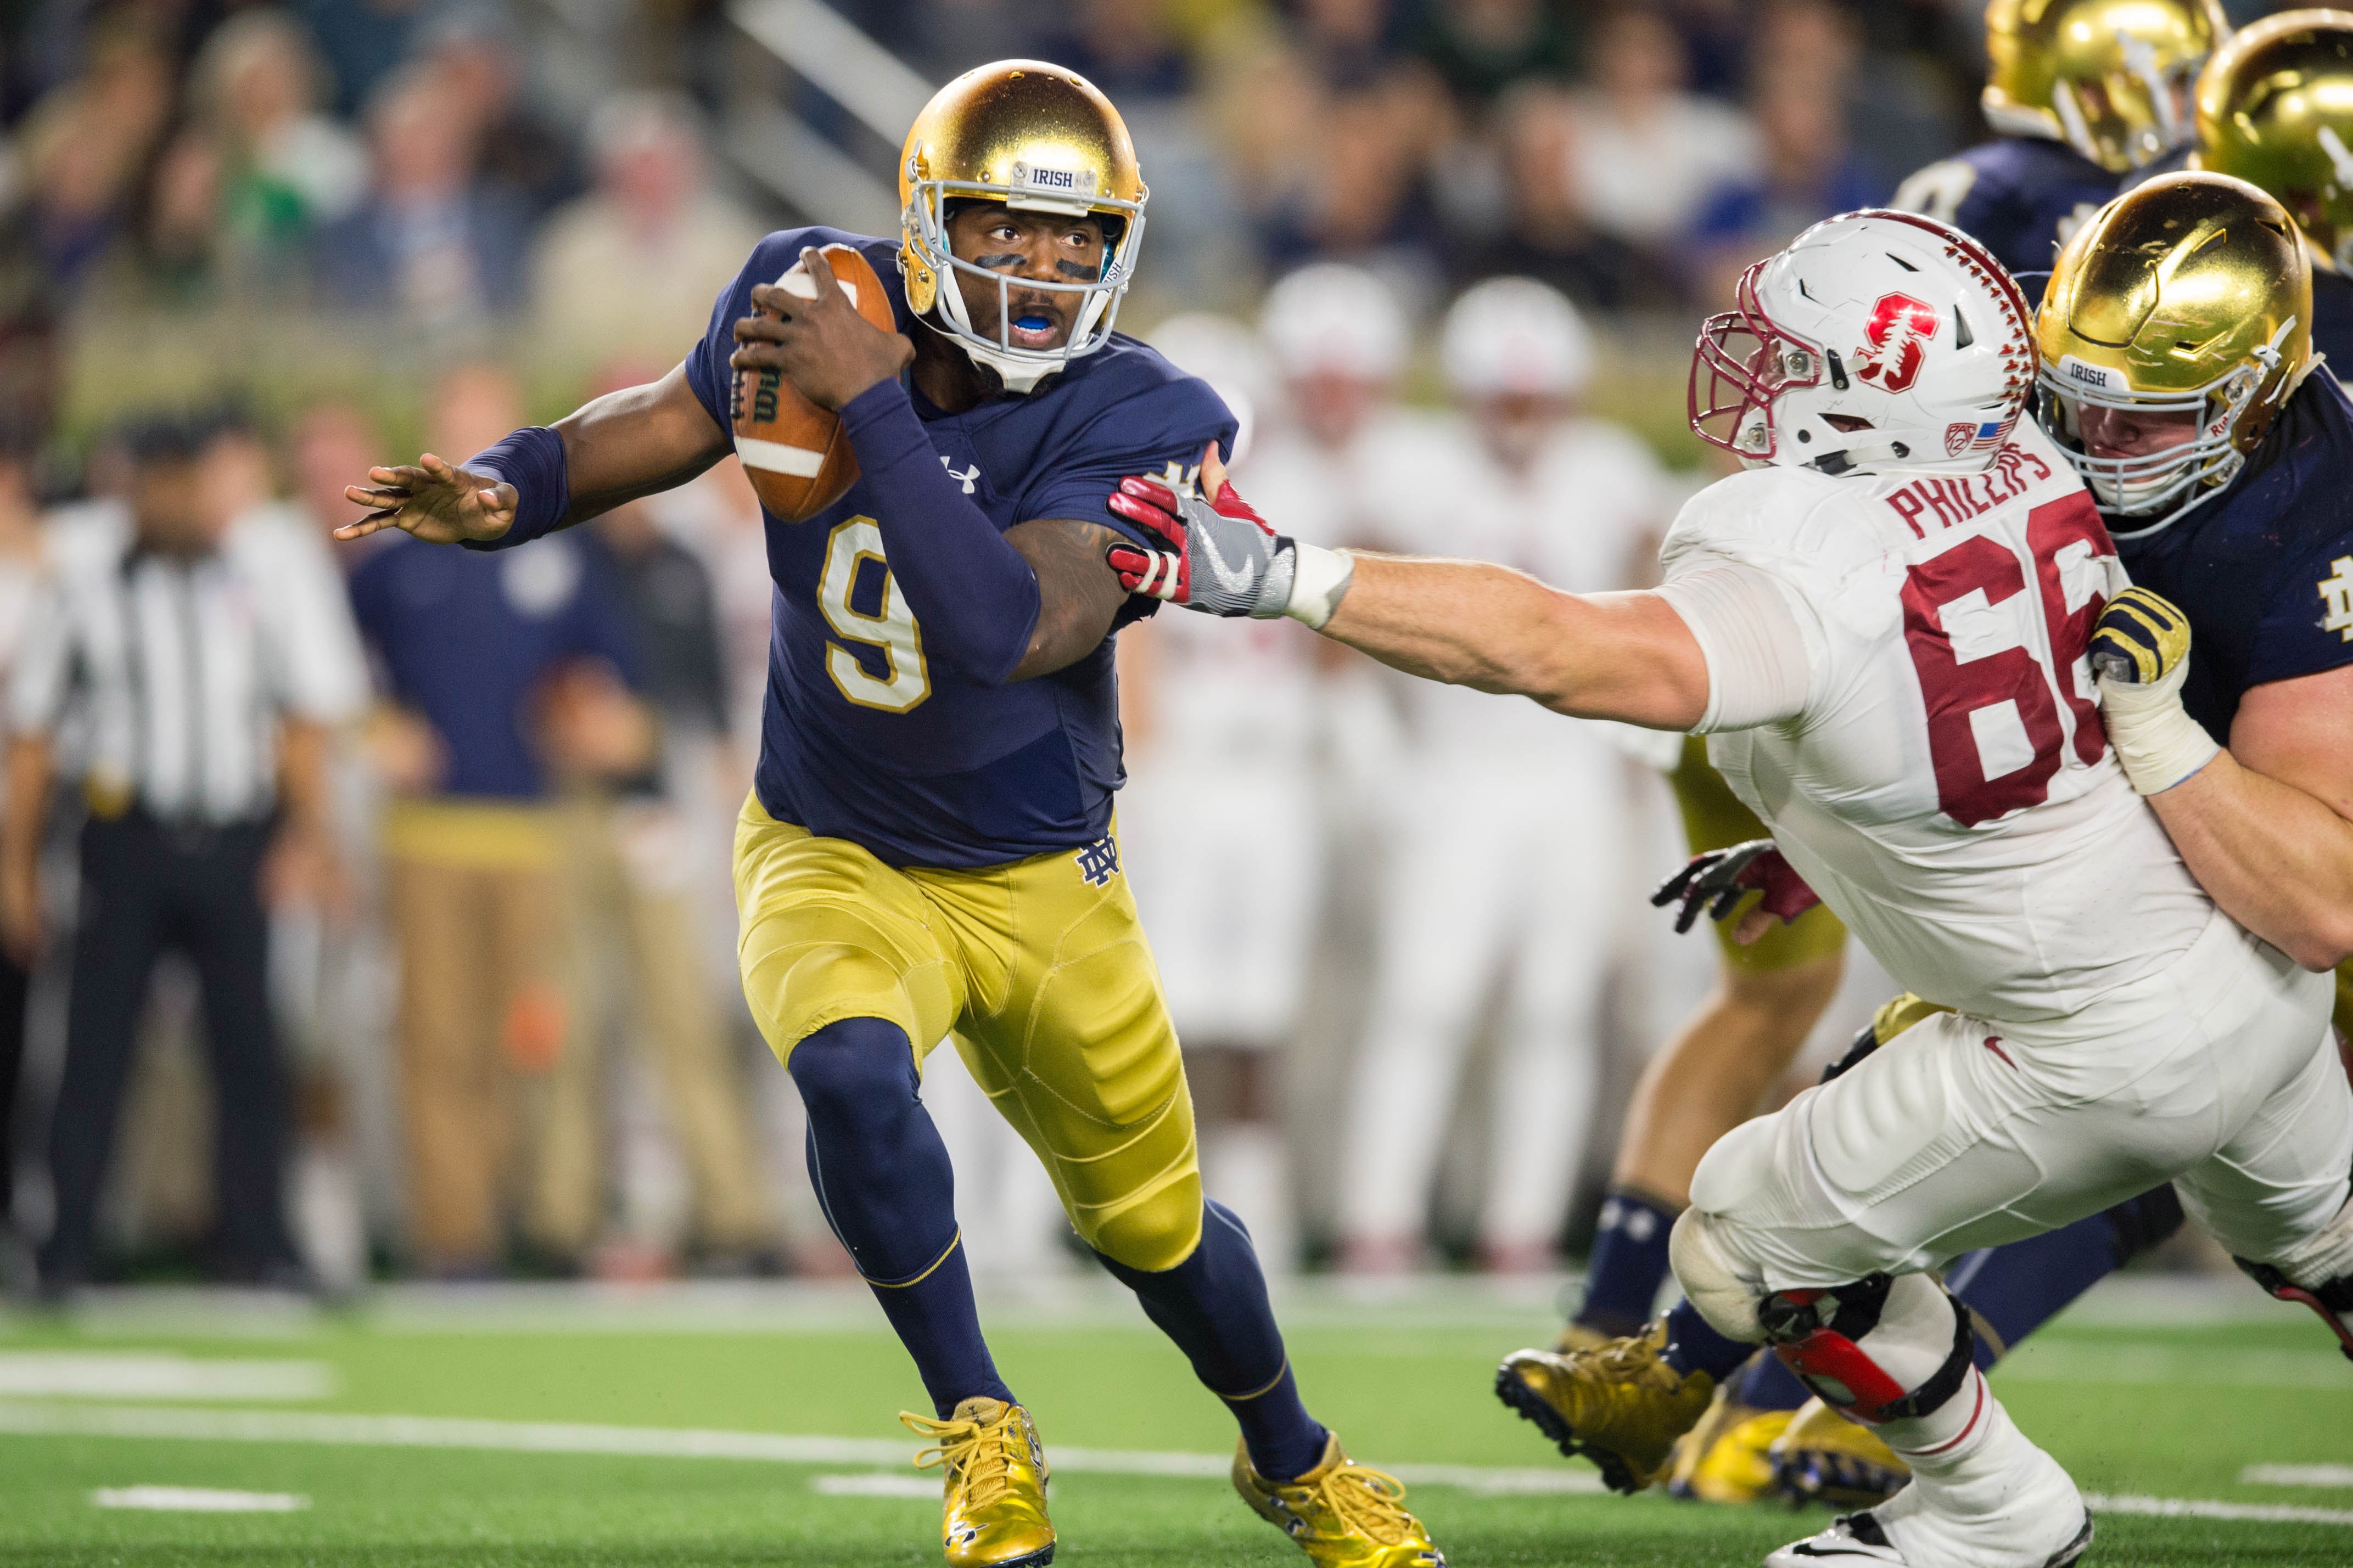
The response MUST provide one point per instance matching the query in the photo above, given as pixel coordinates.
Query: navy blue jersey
(2265, 571)
(2018, 197)
(945, 771)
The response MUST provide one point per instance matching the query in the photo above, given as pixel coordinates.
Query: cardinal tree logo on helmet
(1899, 331)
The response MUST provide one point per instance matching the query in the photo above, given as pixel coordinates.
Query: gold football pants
(1041, 970)
(1713, 818)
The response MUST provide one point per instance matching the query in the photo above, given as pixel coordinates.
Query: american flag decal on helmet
(1964, 436)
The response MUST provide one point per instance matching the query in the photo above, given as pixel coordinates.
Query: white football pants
(1492, 866)
(2220, 1074)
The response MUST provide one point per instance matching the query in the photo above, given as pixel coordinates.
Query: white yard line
(2296, 1476)
(2190, 1508)
(687, 1443)
(877, 1486)
(197, 1500)
(664, 1442)
(158, 1376)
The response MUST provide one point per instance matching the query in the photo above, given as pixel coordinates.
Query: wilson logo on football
(1899, 331)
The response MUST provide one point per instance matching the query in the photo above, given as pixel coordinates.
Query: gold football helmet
(2190, 292)
(2109, 78)
(2275, 108)
(1037, 138)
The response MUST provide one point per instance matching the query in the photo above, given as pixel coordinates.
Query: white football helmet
(1331, 319)
(1876, 341)
(1230, 357)
(1514, 335)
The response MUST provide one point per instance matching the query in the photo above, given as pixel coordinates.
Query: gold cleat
(1724, 1459)
(994, 1513)
(1825, 1458)
(1577, 1337)
(1622, 1407)
(1342, 1515)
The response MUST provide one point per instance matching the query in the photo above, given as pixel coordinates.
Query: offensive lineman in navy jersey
(928, 845)
(2081, 93)
(2223, 473)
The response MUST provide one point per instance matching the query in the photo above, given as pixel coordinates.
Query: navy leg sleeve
(1215, 1305)
(1693, 1346)
(2017, 1288)
(883, 1178)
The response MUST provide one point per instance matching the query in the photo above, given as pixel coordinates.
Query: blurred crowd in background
(365, 907)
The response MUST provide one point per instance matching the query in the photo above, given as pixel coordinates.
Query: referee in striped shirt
(196, 664)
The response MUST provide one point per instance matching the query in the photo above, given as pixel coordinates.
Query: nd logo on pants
(1040, 969)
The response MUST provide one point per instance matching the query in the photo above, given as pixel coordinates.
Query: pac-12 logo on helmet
(1899, 331)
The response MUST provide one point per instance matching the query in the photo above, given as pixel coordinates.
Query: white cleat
(1852, 1539)
(1855, 1539)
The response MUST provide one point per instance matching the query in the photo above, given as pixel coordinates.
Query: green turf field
(2144, 1405)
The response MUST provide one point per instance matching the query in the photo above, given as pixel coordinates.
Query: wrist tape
(2156, 738)
(531, 459)
(1319, 581)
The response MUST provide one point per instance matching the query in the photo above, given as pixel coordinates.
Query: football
(793, 451)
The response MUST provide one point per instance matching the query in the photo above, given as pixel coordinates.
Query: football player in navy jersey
(928, 847)
(2223, 471)
(2081, 93)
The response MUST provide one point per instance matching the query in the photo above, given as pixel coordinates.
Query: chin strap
(1835, 464)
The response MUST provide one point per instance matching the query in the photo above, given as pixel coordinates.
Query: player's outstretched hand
(1221, 557)
(1714, 882)
(827, 349)
(436, 501)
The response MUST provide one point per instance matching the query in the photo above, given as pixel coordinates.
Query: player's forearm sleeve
(974, 595)
(531, 459)
(1757, 669)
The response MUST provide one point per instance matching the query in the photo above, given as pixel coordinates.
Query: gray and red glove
(1222, 558)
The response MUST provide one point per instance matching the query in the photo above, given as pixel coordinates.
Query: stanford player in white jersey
(1884, 622)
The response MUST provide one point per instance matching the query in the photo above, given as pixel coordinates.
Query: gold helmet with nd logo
(1038, 139)
(2189, 296)
(2109, 78)
(2275, 108)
